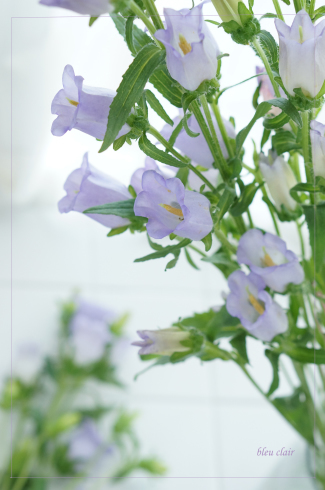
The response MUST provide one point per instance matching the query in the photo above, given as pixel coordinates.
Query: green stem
(267, 66)
(154, 14)
(251, 224)
(224, 241)
(183, 159)
(240, 224)
(312, 7)
(222, 128)
(147, 22)
(306, 144)
(302, 245)
(278, 9)
(219, 161)
(299, 5)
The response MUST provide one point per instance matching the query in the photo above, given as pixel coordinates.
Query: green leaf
(305, 187)
(92, 20)
(287, 2)
(270, 47)
(230, 27)
(167, 86)
(174, 261)
(190, 260)
(320, 12)
(213, 22)
(304, 354)
(152, 151)
(277, 122)
(119, 142)
(175, 133)
(263, 108)
(273, 357)
(226, 200)
(315, 218)
(117, 231)
(130, 90)
(129, 34)
(207, 240)
(223, 262)
(244, 13)
(246, 198)
(182, 175)
(157, 107)
(124, 209)
(268, 16)
(265, 137)
(187, 99)
(140, 38)
(256, 96)
(295, 409)
(239, 343)
(165, 251)
(284, 141)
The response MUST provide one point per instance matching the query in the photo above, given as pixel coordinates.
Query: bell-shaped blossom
(161, 342)
(197, 148)
(84, 7)
(254, 307)
(279, 178)
(80, 107)
(86, 443)
(228, 10)
(302, 54)
(87, 187)
(90, 333)
(172, 209)
(149, 164)
(317, 136)
(191, 50)
(268, 257)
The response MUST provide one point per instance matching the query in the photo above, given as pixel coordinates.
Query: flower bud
(317, 136)
(228, 10)
(280, 179)
(162, 342)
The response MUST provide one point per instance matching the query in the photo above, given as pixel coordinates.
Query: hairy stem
(222, 128)
(147, 22)
(151, 8)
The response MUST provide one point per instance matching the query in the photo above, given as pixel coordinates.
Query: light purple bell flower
(302, 54)
(197, 148)
(268, 257)
(150, 164)
(161, 342)
(317, 136)
(191, 50)
(86, 443)
(254, 307)
(172, 209)
(80, 107)
(84, 7)
(87, 187)
(90, 333)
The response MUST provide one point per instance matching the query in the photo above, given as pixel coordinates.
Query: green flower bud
(228, 10)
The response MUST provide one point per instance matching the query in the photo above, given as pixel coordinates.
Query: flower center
(256, 304)
(184, 45)
(174, 210)
(73, 102)
(268, 261)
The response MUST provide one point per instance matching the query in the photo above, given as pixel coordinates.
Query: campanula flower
(279, 178)
(317, 136)
(228, 10)
(149, 164)
(197, 148)
(267, 90)
(268, 257)
(89, 330)
(161, 342)
(191, 50)
(87, 187)
(254, 307)
(302, 48)
(81, 107)
(172, 209)
(84, 7)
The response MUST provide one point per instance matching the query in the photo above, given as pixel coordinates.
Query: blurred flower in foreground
(172, 209)
(84, 7)
(268, 257)
(87, 187)
(86, 443)
(162, 342)
(280, 179)
(80, 107)
(317, 136)
(301, 54)
(197, 148)
(255, 308)
(90, 334)
(191, 50)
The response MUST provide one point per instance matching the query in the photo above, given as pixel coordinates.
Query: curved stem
(267, 66)
(222, 128)
(183, 159)
(154, 14)
(147, 22)
(278, 9)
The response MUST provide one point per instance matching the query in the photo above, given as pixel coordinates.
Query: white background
(202, 420)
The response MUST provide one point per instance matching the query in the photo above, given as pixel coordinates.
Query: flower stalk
(151, 8)
(223, 131)
(278, 9)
